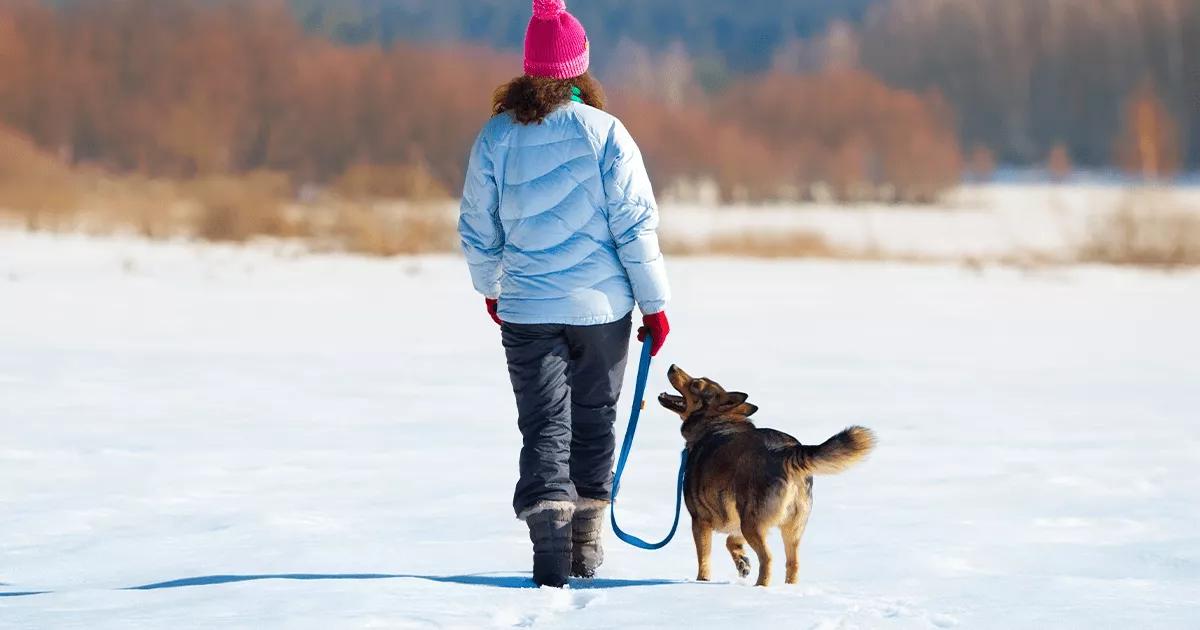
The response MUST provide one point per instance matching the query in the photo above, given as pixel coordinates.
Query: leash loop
(639, 394)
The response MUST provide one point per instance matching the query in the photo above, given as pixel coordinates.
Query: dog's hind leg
(757, 537)
(792, 532)
(702, 533)
(740, 561)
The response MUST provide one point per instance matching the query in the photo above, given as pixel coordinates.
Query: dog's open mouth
(672, 402)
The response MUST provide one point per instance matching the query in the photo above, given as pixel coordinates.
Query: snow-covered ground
(983, 222)
(262, 439)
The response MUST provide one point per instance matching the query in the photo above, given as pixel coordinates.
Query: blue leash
(639, 394)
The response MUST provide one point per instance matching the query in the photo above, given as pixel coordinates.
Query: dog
(742, 480)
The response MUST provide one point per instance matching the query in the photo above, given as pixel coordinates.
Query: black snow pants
(567, 380)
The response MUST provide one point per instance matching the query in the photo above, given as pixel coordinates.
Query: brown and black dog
(742, 480)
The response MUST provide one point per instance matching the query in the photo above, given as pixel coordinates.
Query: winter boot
(550, 532)
(586, 529)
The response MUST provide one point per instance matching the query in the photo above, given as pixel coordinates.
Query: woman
(558, 225)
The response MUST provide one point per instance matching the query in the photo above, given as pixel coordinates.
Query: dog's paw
(742, 565)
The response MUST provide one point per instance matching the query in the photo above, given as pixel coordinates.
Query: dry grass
(1148, 230)
(154, 208)
(35, 186)
(41, 192)
(390, 181)
(791, 244)
(797, 244)
(220, 208)
(383, 230)
(241, 207)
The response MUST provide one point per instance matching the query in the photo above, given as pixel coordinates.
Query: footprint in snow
(579, 601)
(561, 600)
(566, 599)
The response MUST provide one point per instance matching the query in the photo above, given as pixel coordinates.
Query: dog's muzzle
(672, 402)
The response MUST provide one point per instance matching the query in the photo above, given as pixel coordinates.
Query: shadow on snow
(495, 580)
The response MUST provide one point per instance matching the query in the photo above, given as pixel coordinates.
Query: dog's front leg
(736, 551)
(702, 533)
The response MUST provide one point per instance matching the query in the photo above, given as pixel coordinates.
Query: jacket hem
(586, 320)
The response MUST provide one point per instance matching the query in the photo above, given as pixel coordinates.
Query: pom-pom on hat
(556, 46)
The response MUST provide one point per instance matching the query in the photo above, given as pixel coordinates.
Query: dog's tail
(836, 454)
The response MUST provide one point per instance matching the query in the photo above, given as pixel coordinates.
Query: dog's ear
(744, 409)
(731, 401)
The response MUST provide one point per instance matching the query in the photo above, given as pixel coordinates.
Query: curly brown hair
(531, 99)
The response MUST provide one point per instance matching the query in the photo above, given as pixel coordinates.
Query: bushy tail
(837, 453)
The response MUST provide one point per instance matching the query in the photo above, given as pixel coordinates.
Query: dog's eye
(695, 387)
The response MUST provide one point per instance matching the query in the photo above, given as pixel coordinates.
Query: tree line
(195, 88)
(1027, 75)
(1029, 79)
(881, 111)
(727, 37)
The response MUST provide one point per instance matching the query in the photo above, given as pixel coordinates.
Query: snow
(279, 440)
(980, 221)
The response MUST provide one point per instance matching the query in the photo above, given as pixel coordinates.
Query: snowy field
(983, 222)
(198, 436)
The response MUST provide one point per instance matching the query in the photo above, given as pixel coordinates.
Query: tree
(982, 164)
(1149, 144)
(1058, 163)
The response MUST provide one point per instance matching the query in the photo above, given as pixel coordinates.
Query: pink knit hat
(556, 46)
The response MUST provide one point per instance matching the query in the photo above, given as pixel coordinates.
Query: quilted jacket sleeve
(479, 222)
(633, 219)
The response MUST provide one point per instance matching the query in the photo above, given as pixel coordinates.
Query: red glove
(492, 305)
(658, 327)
